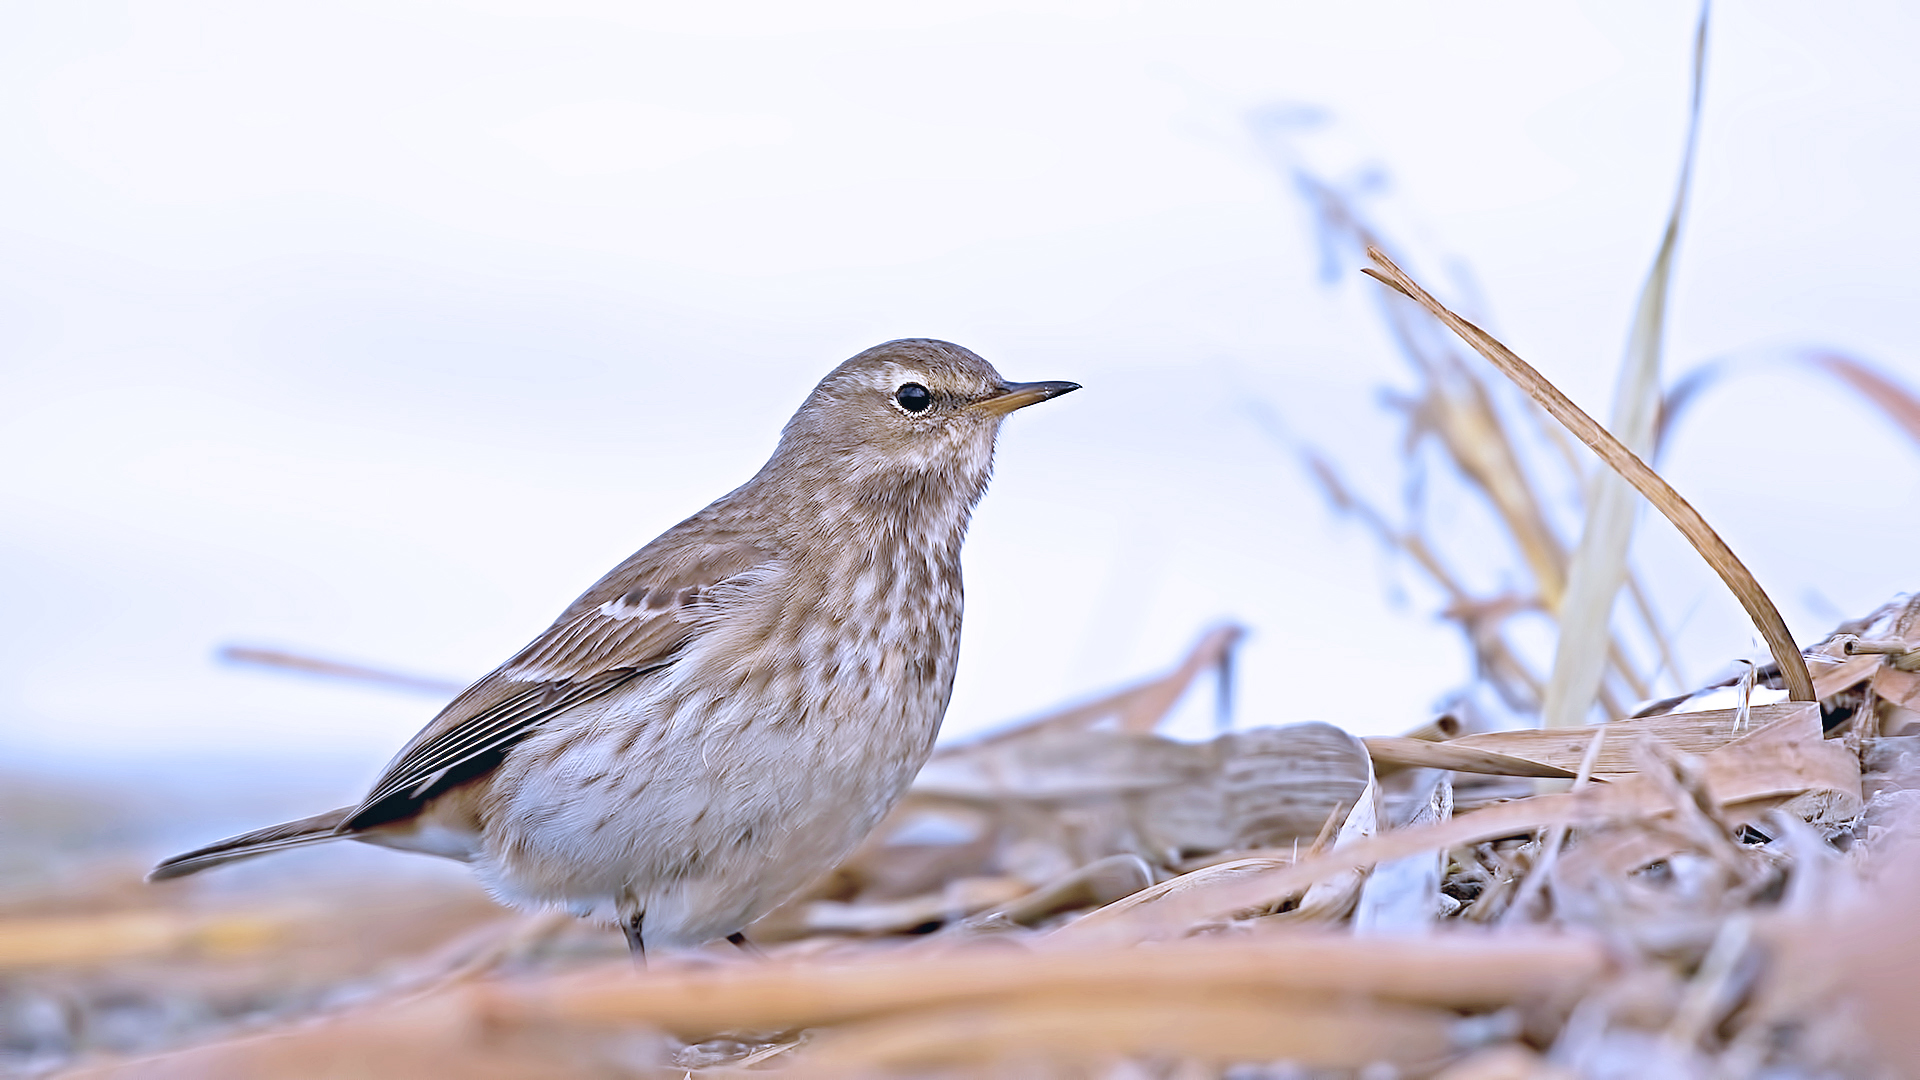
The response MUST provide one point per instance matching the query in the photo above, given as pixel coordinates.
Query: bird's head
(916, 411)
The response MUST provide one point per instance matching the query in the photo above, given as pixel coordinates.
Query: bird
(721, 718)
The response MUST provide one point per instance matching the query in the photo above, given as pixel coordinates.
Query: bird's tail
(317, 829)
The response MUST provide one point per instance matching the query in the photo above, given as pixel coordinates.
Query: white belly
(703, 814)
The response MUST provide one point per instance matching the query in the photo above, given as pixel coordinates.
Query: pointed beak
(1022, 394)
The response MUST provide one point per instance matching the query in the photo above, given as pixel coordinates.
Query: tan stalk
(1599, 562)
(1766, 618)
(1899, 403)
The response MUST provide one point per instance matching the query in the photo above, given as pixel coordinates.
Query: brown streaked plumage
(725, 714)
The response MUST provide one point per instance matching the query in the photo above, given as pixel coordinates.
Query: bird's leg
(740, 942)
(636, 941)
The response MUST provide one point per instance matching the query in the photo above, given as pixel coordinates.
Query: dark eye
(913, 397)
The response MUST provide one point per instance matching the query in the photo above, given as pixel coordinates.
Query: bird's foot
(636, 939)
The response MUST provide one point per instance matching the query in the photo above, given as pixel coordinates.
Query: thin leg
(636, 941)
(740, 942)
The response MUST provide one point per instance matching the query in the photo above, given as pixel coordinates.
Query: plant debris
(1079, 896)
(1716, 884)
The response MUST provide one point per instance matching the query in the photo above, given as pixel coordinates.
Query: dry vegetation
(1719, 892)
(1718, 886)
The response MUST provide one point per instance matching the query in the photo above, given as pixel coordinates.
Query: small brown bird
(728, 712)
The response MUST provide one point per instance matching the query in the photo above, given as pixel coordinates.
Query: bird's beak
(1022, 394)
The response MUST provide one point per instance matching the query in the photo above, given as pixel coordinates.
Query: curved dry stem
(1766, 618)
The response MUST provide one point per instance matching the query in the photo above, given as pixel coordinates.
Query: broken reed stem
(1455, 971)
(1891, 647)
(1766, 618)
(1390, 753)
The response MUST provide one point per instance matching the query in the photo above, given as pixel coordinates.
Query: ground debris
(1720, 894)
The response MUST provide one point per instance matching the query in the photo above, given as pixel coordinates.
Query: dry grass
(1766, 618)
(1718, 888)
(1081, 897)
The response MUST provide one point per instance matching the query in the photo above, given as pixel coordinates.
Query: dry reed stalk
(1453, 971)
(287, 660)
(1418, 753)
(1846, 675)
(431, 1037)
(93, 939)
(1328, 1000)
(1554, 753)
(1766, 618)
(1212, 1028)
(1898, 403)
(1692, 732)
(1459, 413)
(1598, 565)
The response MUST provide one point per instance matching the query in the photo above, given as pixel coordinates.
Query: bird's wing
(638, 619)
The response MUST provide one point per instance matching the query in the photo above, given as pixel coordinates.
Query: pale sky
(380, 330)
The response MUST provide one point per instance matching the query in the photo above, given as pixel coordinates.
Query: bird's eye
(913, 397)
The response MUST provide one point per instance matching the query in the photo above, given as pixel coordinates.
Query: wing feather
(431, 761)
(638, 619)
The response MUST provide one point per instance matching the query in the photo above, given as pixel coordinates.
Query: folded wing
(637, 620)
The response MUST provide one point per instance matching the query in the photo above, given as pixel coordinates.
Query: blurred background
(378, 331)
